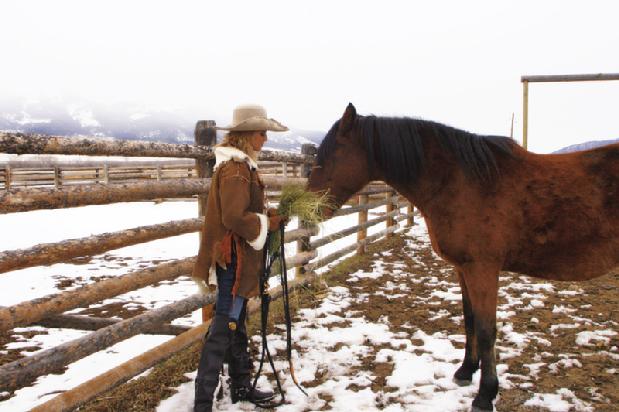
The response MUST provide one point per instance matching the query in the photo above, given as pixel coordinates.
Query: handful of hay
(307, 206)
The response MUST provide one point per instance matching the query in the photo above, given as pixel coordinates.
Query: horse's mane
(396, 145)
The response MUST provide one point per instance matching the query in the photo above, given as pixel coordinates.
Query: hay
(307, 206)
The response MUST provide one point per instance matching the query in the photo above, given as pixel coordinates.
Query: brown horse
(489, 206)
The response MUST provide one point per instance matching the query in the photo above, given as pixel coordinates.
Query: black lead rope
(264, 317)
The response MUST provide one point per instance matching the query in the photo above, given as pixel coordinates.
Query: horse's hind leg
(482, 287)
(470, 364)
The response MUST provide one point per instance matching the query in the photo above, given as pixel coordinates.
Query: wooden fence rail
(72, 174)
(50, 253)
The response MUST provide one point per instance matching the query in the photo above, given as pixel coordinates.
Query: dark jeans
(227, 304)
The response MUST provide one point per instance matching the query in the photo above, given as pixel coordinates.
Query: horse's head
(341, 167)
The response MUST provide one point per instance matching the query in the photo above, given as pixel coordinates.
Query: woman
(230, 255)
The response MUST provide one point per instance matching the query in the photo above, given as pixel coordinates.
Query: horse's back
(570, 215)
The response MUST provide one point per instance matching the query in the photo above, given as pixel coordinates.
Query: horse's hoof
(462, 382)
(481, 406)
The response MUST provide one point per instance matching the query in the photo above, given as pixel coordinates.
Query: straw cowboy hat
(252, 117)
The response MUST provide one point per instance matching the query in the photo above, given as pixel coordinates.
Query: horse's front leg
(470, 364)
(482, 287)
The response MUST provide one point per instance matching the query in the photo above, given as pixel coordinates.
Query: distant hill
(585, 146)
(126, 124)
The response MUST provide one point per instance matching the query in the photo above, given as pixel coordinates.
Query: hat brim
(255, 124)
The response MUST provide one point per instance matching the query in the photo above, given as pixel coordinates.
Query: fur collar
(225, 153)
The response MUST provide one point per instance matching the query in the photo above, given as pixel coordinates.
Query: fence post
(390, 208)
(7, 177)
(285, 169)
(310, 150)
(57, 177)
(410, 219)
(363, 218)
(106, 174)
(159, 169)
(303, 244)
(205, 135)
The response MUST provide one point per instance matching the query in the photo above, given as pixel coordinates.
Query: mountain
(585, 146)
(124, 123)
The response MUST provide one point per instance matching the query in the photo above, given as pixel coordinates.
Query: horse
(489, 206)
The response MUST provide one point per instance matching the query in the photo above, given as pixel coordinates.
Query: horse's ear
(348, 118)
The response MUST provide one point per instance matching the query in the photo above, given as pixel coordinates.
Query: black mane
(395, 144)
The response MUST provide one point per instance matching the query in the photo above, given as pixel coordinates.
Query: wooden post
(159, 170)
(410, 220)
(7, 177)
(57, 177)
(205, 135)
(390, 208)
(106, 174)
(363, 218)
(303, 246)
(285, 169)
(525, 113)
(310, 150)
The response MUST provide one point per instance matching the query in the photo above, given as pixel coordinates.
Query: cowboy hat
(252, 117)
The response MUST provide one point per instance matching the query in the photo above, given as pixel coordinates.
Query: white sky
(457, 62)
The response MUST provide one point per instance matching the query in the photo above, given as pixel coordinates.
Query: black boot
(240, 366)
(211, 361)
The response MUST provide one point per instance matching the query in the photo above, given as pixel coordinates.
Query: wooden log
(570, 77)
(82, 322)
(205, 135)
(391, 199)
(300, 259)
(7, 177)
(50, 253)
(352, 230)
(22, 200)
(349, 249)
(73, 398)
(362, 233)
(297, 234)
(310, 151)
(32, 311)
(57, 177)
(410, 219)
(81, 394)
(13, 374)
(358, 208)
(20, 143)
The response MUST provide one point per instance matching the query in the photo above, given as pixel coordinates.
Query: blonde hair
(240, 140)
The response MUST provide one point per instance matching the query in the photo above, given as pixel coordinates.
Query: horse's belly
(568, 265)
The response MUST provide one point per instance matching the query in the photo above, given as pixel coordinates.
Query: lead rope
(264, 315)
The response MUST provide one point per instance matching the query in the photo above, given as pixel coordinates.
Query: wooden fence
(48, 311)
(29, 174)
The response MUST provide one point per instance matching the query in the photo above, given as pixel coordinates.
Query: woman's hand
(276, 220)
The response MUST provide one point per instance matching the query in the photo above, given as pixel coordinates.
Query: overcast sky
(456, 62)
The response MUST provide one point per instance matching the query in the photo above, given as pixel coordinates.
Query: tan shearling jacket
(235, 211)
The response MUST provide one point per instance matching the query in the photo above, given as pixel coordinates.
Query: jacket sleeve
(234, 194)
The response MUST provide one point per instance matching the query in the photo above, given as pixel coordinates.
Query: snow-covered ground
(340, 349)
(23, 230)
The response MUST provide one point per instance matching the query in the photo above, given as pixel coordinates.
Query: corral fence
(49, 310)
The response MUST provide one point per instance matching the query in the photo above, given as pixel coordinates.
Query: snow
(46, 226)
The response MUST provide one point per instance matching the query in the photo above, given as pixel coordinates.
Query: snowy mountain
(587, 145)
(127, 123)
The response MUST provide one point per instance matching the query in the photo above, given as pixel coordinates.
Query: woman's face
(257, 139)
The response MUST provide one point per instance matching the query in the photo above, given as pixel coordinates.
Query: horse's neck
(437, 175)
